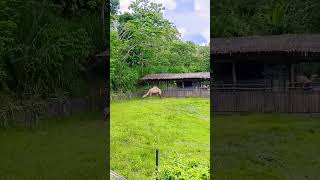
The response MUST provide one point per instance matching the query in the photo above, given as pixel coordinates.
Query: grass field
(245, 147)
(69, 148)
(179, 127)
(266, 146)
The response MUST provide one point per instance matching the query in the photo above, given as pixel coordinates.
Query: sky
(191, 17)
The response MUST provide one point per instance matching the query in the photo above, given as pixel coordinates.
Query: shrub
(181, 170)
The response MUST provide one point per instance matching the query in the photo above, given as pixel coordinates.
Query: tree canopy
(261, 17)
(45, 45)
(144, 42)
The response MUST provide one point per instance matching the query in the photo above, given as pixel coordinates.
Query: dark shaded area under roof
(300, 44)
(176, 76)
(103, 54)
(100, 59)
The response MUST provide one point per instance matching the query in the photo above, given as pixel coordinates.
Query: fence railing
(123, 96)
(263, 101)
(172, 92)
(314, 86)
(180, 92)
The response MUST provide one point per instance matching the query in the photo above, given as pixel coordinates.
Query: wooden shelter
(262, 62)
(100, 64)
(101, 58)
(103, 54)
(182, 80)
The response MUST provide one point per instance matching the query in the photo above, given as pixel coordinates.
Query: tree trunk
(103, 20)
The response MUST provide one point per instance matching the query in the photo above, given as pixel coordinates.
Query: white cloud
(193, 23)
(168, 4)
(124, 5)
(206, 33)
(204, 44)
(202, 8)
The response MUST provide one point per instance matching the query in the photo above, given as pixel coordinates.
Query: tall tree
(114, 6)
(145, 42)
(248, 17)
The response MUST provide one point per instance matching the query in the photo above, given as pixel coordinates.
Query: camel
(206, 87)
(314, 77)
(152, 91)
(303, 79)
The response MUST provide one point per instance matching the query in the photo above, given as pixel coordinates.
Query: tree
(259, 17)
(114, 6)
(145, 42)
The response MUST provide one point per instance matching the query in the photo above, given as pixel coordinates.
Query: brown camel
(303, 79)
(152, 91)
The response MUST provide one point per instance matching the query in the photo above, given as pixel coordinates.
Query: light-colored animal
(155, 90)
(206, 87)
(314, 77)
(303, 79)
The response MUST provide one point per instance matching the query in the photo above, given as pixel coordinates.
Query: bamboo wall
(261, 101)
(204, 93)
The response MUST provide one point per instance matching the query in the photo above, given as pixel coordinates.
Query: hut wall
(261, 101)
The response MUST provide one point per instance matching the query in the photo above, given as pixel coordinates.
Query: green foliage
(42, 50)
(144, 42)
(248, 17)
(114, 6)
(185, 170)
(72, 8)
(13, 110)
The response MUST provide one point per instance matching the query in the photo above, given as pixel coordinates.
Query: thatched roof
(177, 76)
(303, 43)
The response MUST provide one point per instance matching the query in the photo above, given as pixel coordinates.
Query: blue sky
(191, 17)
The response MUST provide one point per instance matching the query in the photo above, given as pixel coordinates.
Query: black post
(157, 163)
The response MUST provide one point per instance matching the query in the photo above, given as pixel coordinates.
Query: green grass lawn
(68, 148)
(179, 127)
(266, 146)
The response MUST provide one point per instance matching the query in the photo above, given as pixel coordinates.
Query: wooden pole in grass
(157, 162)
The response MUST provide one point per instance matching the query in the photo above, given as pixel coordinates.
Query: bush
(41, 49)
(180, 170)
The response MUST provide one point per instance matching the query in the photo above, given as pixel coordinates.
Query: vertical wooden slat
(262, 101)
(234, 73)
